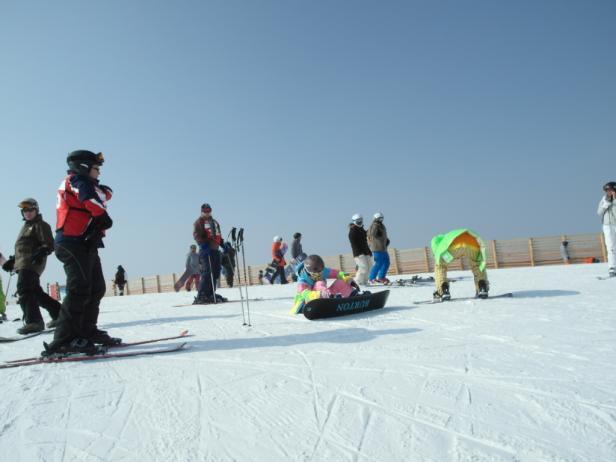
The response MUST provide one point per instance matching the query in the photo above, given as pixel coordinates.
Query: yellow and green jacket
(441, 245)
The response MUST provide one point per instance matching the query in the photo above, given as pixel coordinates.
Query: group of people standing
(367, 245)
(81, 222)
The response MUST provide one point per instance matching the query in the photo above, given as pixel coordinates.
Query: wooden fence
(534, 251)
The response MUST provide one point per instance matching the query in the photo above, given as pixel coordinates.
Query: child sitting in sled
(312, 276)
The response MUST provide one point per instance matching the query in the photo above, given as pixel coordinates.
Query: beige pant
(472, 255)
(364, 263)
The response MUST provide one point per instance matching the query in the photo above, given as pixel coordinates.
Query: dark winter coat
(120, 277)
(35, 236)
(296, 248)
(377, 237)
(207, 231)
(359, 240)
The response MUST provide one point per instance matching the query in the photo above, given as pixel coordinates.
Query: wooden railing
(534, 251)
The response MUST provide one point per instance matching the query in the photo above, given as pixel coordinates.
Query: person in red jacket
(278, 251)
(82, 220)
(206, 231)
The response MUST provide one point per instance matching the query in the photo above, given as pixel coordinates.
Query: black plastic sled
(333, 307)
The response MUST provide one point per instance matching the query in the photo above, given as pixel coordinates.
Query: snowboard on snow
(460, 299)
(333, 307)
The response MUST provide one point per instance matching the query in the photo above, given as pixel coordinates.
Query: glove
(9, 264)
(94, 239)
(103, 221)
(38, 256)
(345, 277)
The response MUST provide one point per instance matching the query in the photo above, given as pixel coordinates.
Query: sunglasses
(30, 209)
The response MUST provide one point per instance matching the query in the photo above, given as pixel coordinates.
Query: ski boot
(221, 299)
(75, 346)
(101, 337)
(3, 317)
(31, 328)
(204, 300)
(482, 289)
(612, 273)
(384, 281)
(52, 324)
(443, 295)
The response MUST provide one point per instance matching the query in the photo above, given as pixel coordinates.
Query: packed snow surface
(528, 378)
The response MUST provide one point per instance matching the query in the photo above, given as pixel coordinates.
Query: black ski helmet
(81, 161)
(297, 235)
(314, 264)
(206, 207)
(610, 185)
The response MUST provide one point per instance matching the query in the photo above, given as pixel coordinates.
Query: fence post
(427, 259)
(495, 256)
(396, 265)
(531, 252)
(158, 283)
(340, 262)
(143, 285)
(603, 248)
(249, 269)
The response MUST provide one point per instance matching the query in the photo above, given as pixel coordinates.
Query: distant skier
(297, 256)
(378, 242)
(456, 244)
(296, 247)
(278, 250)
(564, 252)
(34, 243)
(191, 272)
(82, 221)
(312, 283)
(228, 262)
(607, 212)
(120, 279)
(206, 232)
(359, 246)
(2, 296)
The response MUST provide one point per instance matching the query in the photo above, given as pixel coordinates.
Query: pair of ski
(460, 299)
(71, 357)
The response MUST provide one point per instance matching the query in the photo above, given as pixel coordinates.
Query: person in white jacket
(607, 212)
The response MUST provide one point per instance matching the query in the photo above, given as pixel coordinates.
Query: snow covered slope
(531, 378)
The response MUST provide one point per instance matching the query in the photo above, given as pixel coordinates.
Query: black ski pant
(85, 287)
(279, 272)
(210, 267)
(228, 274)
(31, 296)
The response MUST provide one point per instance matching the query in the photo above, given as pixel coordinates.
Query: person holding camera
(607, 212)
(34, 243)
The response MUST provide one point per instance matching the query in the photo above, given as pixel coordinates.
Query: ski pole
(240, 238)
(239, 275)
(209, 260)
(8, 286)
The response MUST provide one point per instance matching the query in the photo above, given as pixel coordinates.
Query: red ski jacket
(80, 200)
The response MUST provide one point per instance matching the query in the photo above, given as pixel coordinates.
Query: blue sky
(293, 115)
